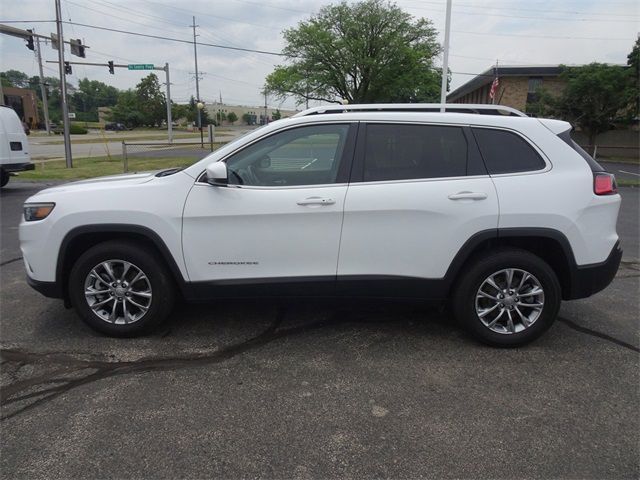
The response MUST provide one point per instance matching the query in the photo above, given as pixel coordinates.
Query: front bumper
(48, 289)
(589, 279)
(18, 167)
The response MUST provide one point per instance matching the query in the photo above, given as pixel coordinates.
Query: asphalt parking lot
(317, 389)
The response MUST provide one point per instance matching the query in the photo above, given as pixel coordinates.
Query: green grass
(627, 160)
(100, 166)
(623, 182)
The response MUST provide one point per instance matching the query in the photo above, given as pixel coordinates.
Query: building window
(535, 83)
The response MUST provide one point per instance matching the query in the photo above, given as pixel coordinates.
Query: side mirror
(217, 173)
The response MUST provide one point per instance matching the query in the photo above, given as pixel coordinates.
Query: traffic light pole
(43, 89)
(63, 89)
(169, 119)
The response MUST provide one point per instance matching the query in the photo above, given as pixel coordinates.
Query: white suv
(502, 214)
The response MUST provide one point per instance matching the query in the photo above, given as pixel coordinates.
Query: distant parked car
(115, 126)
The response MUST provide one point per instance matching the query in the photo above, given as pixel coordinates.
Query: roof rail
(482, 109)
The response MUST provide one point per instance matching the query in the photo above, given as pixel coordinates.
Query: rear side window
(401, 152)
(506, 152)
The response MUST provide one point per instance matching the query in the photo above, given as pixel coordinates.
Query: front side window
(402, 152)
(299, 156)
(506, 152)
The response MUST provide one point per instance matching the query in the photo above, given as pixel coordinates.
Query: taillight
(604, 184)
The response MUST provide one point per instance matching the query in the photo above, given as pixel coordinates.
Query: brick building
(24, 102)
(517, 85)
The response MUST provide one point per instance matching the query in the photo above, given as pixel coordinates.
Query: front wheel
(507, 298)
(4, 178)
(121, 289)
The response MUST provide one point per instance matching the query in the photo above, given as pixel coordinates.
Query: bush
(77, 130)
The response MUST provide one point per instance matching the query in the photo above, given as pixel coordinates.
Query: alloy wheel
(509, 301)
(118, 291)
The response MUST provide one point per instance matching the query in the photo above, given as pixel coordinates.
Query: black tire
(159, 278)
(474, 274)
(4, 178)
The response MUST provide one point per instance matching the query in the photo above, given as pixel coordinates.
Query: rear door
(418, 193)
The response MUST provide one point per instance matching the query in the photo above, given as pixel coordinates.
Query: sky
(513, 32)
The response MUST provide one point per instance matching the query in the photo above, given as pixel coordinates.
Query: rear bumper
(589, 279)
(17, 167)
(48, 289)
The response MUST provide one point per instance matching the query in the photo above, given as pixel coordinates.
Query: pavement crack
(595, 333)
(48, 386)
(7, 262)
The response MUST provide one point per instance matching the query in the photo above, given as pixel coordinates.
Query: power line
(526, 35)
(489, 7)
(159, 37)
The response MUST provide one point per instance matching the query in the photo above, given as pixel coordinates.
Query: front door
(279, 219)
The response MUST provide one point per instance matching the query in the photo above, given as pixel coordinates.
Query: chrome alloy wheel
(118, 291)
(509, 301)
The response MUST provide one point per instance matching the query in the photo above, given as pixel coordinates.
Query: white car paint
(11, 130)
(406, 228)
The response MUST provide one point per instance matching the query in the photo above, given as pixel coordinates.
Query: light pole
(200, 106)
(445, 58)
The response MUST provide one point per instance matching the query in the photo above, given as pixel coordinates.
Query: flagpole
(445, 58)
(495, 76)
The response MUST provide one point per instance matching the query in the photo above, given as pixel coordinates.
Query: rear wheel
(120, 289)
(4, 178)
(507, 298)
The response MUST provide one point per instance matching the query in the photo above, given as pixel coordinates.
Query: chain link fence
(154, 156)
(613, 151)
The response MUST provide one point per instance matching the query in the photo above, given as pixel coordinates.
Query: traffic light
(111, 70)
(67, 68)
(29, 40)
(77, 48)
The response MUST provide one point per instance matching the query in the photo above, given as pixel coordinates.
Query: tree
(276, 115)
(151, 101)
(220, 117)
(126, 110)
(90, 95)
(179, 111)
(246, 118)
(370, 51)
(633, 60)
(594, 97)
(232, 118)
(192, 115)
(15, 78)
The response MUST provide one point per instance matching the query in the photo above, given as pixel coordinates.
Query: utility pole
(445, 58)
(195, 55)
(63, 88)
(265, 108)
(169, 119)
(43, 89)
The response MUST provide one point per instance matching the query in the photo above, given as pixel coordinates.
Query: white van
(14, 147)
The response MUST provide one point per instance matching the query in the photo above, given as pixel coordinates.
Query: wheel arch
(549, 244)
(80, 239)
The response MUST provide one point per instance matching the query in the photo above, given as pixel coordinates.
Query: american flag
(494, 88)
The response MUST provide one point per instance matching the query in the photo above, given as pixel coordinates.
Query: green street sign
(141, 66)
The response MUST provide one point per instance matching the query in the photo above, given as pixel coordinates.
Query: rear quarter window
(506, 152)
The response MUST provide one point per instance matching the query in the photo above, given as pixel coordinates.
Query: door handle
(468, 196)
(316, 201)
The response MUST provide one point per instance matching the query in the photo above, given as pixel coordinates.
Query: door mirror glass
(217, 173)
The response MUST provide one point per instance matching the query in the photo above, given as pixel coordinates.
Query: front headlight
(37, 211)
